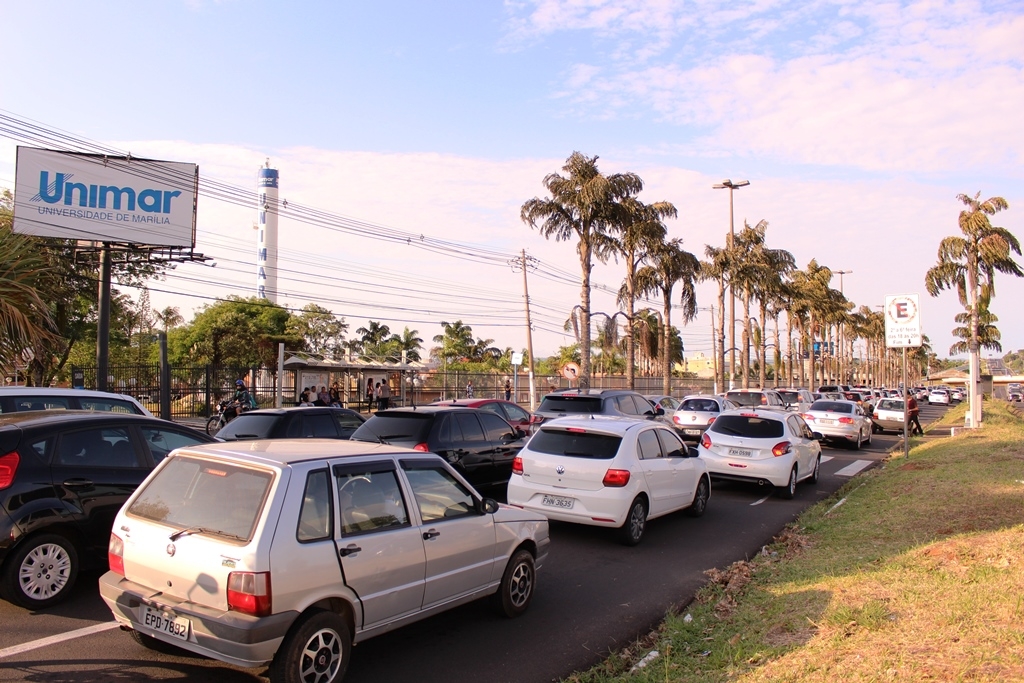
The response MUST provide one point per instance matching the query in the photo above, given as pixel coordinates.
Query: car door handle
(427, 535)
(350, 549)
(77, 481)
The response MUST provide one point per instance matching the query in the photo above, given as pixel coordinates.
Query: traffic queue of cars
(274, 545)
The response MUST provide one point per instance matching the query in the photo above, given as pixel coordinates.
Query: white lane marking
(826, 458)
(758, 502)
(853, 468)
(60, 638)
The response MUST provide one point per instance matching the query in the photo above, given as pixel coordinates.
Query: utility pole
(529, 333)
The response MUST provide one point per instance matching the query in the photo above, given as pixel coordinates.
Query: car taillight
(807, 416)
(782, 448)
(705, 440)
(517, 465)
(616, 478)
(115, 554)
(675, 418)
(249, 593)
(710, 420)
(846, 420)
(421, 447)
(8, 468)
(875, 415)
(536, 419)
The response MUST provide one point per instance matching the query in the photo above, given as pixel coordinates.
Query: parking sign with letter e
(902, 321)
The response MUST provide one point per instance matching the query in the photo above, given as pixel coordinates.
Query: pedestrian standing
(912, 415)
(469, 389)
(384, 396)
(369, 394)
(335, 396)
(376, 395)
(508, 390)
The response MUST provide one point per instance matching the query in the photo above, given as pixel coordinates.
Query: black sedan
(304, 422)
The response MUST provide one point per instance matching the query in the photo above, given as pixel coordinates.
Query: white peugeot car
(608, 471)
(841, 422)
(762, 446)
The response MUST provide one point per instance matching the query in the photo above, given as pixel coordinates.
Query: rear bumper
(231, 637)
(774, 471)
(604, 507)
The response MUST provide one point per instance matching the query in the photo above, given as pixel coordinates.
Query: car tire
(517, 583)
(868, 442)
(789, 491)
(213, 425)
(41, 572)
(317, 649)
(860, 440)
(632, 530)
(157, 645)
(700, 498)
(817, 470)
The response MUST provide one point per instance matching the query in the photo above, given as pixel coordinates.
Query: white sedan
(608, 471)
(841, 421)
(938, 397)
(762, 447)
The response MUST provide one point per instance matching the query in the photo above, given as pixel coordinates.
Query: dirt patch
(734, 579)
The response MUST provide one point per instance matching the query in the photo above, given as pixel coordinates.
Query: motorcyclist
(241, 401)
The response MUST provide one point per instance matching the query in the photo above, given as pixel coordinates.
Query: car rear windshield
(746, 398)
(248, 427)
(205, 497)
(571, 404)
(395, 426)
(751, 426)
(832, 407)
(790, 396)
(889, 404)
(699, 405)
(575, 444)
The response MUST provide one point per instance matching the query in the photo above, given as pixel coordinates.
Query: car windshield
(575, 444)
(190, 494)
(699, 405)
(746, 398)
(790, 396)
(395, 426)
(248, 427)
(751, 426)
(831, 407)
(558, 403)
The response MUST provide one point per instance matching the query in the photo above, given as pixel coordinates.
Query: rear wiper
(203, 530)
(247, 436)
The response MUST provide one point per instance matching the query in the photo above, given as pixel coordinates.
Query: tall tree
(322, 331)
(718, 267)
(968, 263)
(988, 333)
(670, 265)
(408, 342)
(582, 206)
(638, 233)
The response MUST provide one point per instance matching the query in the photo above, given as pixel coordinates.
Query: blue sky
(857, 124)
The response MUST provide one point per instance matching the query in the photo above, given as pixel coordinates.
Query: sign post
(903, 331)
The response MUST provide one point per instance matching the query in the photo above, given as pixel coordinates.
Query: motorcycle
(226, 412)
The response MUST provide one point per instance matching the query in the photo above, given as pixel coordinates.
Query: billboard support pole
(103, 326)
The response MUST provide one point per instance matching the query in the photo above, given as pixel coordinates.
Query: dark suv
(63, 477)
(620, 402)
(292, 423)
(477, 443)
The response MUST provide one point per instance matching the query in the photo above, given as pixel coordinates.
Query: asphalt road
(593, 596)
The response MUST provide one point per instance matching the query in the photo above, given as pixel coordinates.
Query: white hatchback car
(608, 471)
(762, 446)
(841, 421)
(288, 552)
(938, 397)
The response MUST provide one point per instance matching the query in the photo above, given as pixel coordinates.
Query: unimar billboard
(105, 199)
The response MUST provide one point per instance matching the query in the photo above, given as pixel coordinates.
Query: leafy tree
(968, 263)
(238, 331)
(373, 341)
(322, 331)
(582, 207)
(456, 342)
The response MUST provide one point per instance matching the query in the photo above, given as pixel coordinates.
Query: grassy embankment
(917, 576)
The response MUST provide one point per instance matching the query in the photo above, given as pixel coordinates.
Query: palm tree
(169, 317)
(717, 268)
(988, 333)
(811, 290)
(670, 265)
(969, 264)
(582, 206)
(639, 233)
(20, 304)
(408, 342)
(374, 340)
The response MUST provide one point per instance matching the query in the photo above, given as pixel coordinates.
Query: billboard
(99, 198)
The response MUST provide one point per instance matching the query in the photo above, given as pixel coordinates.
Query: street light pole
(732, 292)
(842, 332)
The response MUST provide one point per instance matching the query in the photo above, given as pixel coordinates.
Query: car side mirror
(817, 436)
(693, 452)
(658, 410)
(519, 434)
(489, 506)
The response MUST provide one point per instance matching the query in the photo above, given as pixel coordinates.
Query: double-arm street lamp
(730, 185)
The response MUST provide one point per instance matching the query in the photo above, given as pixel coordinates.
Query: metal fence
(196, 389)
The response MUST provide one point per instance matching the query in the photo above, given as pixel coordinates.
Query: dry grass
(918, 577)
